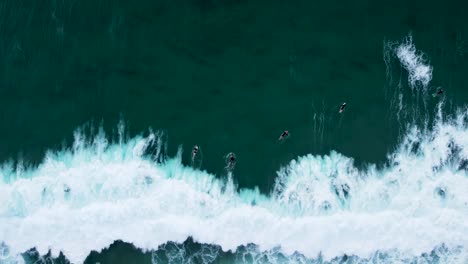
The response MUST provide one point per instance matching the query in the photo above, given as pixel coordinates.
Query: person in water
(231, 161)
(195, 151)
(284, 135)
(342, 107)
(231, 158)
(440, 91)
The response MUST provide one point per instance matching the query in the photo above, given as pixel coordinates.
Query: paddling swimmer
(440, 91)
(196, 156)
(232, 158)
(284, 135)
(231, 161)
(195, 151)
(342, 107)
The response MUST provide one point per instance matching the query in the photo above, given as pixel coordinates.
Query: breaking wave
(84, 198)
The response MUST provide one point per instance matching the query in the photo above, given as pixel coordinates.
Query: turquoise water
(106, 99)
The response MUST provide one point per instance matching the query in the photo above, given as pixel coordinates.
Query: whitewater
(83, 198)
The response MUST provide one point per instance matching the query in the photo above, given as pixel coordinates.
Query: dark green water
(228, 75)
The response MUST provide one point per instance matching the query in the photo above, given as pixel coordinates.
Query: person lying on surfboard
(231, 161)
(283, 135)
(194, 151)
(232, 158)
(342, 107)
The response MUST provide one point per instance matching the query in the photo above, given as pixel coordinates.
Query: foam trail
(320, 204)
(419, 70)
(387, 58)
(394, 93)
(407, 108)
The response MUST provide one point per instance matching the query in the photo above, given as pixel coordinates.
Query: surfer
(195, 151)
(231, 161)
(342, 107)
(440, 91)
(232, 158)
(284, 135)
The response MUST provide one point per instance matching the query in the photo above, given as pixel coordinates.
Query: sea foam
(415, 62)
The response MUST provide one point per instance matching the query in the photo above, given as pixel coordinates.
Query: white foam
(415, 62)
(320, 204)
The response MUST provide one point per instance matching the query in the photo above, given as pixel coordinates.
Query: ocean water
(102, 102)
